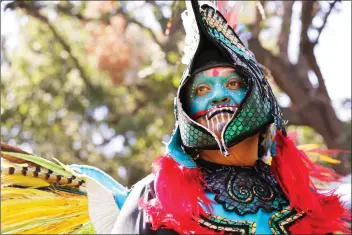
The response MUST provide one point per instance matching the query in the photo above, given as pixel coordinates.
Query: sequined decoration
(280, 222)
(244, 189)
(218, 223)
(216, 21)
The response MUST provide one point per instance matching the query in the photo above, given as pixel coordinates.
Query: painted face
(214, 97)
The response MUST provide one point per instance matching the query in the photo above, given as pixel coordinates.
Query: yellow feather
(306, 147)
(24, 181)
(6, 164)
(37, 207)
(64, 227)
(315, 156)
(33, 211)
(325, 158)
(19, 193)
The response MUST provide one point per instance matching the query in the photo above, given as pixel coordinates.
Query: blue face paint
(209, 91)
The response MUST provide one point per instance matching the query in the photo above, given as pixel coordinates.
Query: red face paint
(215, 72)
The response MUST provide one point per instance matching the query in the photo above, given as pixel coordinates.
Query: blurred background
(93, 82)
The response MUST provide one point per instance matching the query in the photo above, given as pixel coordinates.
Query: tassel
(178, 193)
(292, 168)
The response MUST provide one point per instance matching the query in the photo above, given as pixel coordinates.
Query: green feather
(43, 163)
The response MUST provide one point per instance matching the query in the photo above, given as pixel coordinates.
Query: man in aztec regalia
(216, 176)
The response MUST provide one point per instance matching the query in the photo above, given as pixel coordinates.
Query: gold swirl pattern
(246, 193)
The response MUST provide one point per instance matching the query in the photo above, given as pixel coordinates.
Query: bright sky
(334, 56)
(333, 52)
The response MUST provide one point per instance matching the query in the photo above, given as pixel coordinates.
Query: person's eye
(234, 84)
(202, 89)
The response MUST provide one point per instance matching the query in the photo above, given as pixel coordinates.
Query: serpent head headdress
(212, 42)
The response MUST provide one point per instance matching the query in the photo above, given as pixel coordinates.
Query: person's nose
(219, 97)
(220, 100)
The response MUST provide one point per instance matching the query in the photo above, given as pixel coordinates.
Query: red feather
(292, 167)
(178, 193)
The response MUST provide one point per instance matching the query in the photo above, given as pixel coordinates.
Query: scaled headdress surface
(207, 30)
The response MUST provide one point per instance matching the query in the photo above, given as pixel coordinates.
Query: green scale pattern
(255, 113)
(192, 136)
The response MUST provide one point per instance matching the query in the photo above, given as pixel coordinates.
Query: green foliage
(49, 108)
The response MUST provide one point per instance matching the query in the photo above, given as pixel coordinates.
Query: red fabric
(178, 192)
(292, 168)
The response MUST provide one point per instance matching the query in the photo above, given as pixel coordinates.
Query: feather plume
(173, 210)
(33, 211)
(39, 206)
(102, 207)
(53, 197)
(292, 169)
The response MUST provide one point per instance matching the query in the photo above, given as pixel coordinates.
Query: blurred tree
(94, 82)
(310, 103)
(58, 100)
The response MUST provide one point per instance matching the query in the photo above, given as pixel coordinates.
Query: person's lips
(220, 109)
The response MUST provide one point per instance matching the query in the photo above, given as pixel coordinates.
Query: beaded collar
(243, 189)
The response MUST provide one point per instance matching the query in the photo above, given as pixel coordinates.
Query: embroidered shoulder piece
(244, 189)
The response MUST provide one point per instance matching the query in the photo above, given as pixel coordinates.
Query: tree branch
(307, 15)
(279, 69)
(73, 58)
(176, 24)
(159, 15)
(285, 28)
(68, 11)
(106, 19)
(150, 31)
(313, 64)
(258, 21)
(325, 20)
(4, 56)
(307, 47)
(33, 11)
(306, 20)
(292, 117)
